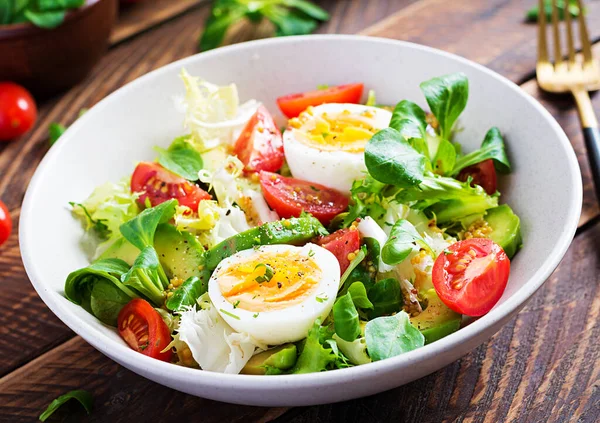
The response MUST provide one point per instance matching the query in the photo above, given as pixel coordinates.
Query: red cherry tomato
(289, 197)
(483, 174)
(260, 146)
(144, 330)
(293, 104)
(341, 243)
(471, 278)
(159, 185)
(5, 223)
(17, 111)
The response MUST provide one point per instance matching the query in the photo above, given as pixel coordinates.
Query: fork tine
(542, 44)
(556, 33)
(585, 39)
(570, 36)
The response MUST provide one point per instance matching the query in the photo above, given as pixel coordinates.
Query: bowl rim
(130, 358)
(27, 28)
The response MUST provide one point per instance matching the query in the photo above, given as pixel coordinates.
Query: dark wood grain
(542, 366)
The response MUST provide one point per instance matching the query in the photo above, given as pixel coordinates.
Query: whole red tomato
(5, 223)
(17, 111)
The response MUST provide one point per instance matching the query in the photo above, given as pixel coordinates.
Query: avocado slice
(437, 320)
(180, 253)
(273, 361)
(506, 229)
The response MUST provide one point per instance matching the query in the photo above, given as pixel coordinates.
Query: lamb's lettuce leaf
(181, 158)
(345, 318)
(492, 147)
(401, 242)
(391, 336)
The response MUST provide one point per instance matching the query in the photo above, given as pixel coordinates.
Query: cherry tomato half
(260, 146)
(158, 184)
(483, 174)
(17, 111)
(5, 223)
(472, 276)
(289, 197)
(144, 330)
(293, 104)
(341, 243)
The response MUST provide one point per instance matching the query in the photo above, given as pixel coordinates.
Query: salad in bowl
(353, 233)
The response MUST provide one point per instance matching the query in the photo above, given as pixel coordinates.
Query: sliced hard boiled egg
(275, 292)
(326, 143)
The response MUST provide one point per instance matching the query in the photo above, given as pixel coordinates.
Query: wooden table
(543, 366)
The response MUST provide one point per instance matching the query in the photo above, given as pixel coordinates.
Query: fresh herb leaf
(386, 297)
(308, 8)
(236, 304)
(181, 158)
(392, 160)
(391, 336)
(140, 230)
(562, 6)
(492, 147)
(255, 315)
(409, 119)
(314, 357)
(447, 97)
(345, 318)
(321, 299)
(98, 225)
(84, 398)
(267, 275)
(229, 314)
(189, 291)
(311, 253)
(48, 5)
(401, 242)
(321, 87)
(55, 130)
(147, 276)
(46, 20)
(359, 295)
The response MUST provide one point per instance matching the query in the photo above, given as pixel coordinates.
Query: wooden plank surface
(29, 328)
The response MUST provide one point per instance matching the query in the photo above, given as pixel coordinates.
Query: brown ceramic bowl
(48, 61)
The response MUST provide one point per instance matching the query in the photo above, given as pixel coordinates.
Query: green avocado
(180, 254)
(437, 320)
(273, 361)
(506, 229)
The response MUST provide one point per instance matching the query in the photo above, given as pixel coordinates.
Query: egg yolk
(334, 132)
(269, 281)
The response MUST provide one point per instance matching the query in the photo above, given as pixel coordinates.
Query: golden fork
(577, 77)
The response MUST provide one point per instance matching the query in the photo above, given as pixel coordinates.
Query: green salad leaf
(409, 119)
(445, 158)
(355, 351)
(289, 17)
(492, 147)
(447, 97)
(386, 298)
(345, 318)
(140, 230)
(391, 159)
(97, 225)
(360, 256)
(403, 238)
(314, 356)
(147, 276)
(181, 158)
(562, 6)
(358, 292)
(55, 130)
(84, 398)
(391, 336)
(189, 291)
(107, 300)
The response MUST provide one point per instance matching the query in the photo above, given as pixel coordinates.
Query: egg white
(334, 169)
(292, 323)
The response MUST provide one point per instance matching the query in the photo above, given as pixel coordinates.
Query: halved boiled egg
(326, 143)
(275, 292)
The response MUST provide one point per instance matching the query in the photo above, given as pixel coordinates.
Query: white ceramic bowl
(544, 189)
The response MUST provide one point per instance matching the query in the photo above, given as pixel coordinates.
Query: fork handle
(592, 144)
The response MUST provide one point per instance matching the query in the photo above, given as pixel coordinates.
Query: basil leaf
(391, 159)
(359, 295)
(345, 318)
(445, 158)
(391, 336)
(189, 292)
(55, 130)
(147, 276)
(401, 242)
(492, 147)
(181, 158)
(84, 398)
(140, 230)
(386, 297)
(308, 8)
(447, 97)
(409, 119)
(46, 20)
